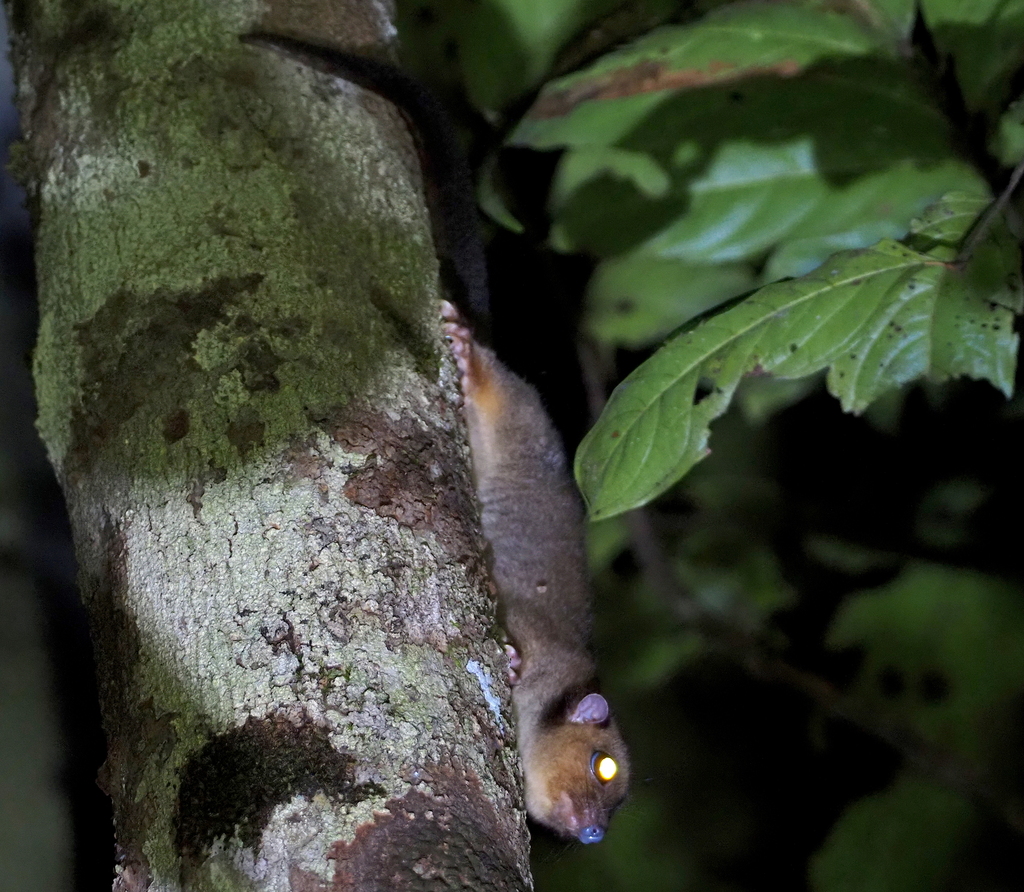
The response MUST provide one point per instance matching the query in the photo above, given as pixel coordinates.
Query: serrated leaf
(921, 635)
(654, 427)
(973, 325)
(903, 839)
(599, 104)
(875, 319)
(946, 221)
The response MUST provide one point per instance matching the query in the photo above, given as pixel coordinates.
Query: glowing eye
(604, 767)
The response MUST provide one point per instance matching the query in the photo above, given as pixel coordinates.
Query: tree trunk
(243, 388)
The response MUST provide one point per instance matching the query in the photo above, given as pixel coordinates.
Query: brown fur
(561, 795)
(533, 520)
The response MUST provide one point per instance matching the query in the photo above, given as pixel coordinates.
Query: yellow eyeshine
(605, 767)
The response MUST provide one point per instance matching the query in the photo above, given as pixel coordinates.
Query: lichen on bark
(244, 390)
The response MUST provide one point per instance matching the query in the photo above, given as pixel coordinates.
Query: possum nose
(593, 833)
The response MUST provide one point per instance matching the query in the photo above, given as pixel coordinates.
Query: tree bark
(244, 391)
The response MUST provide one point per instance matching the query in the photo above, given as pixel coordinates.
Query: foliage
(784, 209)
(875, 318)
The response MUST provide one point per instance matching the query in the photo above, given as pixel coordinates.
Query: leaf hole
(933, 686)
(703, 391)
(891, 682)
(624, 563)
(425, 15)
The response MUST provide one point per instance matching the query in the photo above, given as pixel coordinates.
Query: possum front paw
(460, 338)
(514, 663)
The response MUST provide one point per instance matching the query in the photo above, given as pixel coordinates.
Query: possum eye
(603, 766)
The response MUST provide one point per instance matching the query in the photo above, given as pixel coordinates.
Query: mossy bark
(243, 388)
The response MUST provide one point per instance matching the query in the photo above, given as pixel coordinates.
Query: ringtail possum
(574, 760)
(575, 763)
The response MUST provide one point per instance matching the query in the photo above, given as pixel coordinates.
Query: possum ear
(591, 710)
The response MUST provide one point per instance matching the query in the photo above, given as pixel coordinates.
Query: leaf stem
(984, 223)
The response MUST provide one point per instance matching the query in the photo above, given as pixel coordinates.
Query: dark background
(55, 825)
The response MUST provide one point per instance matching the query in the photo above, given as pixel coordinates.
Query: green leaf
(491, 200)
(896, 16)
(847, 557)
(755, 196)
(749, 198)
(665, 654)
(603, 175)
(873, 207)
(946, 513)
(637, 299)
(969, 321)
(946, 221)
(875, 318)
(605, 542)
(504, 47)
(986, 41)
(1008, 144)
(584, 165)
(973, 322)
(968, 12)
(736, 170)
(528, 33)
(728, 575)
(904, 839)
(921, 636)
(603, 102)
